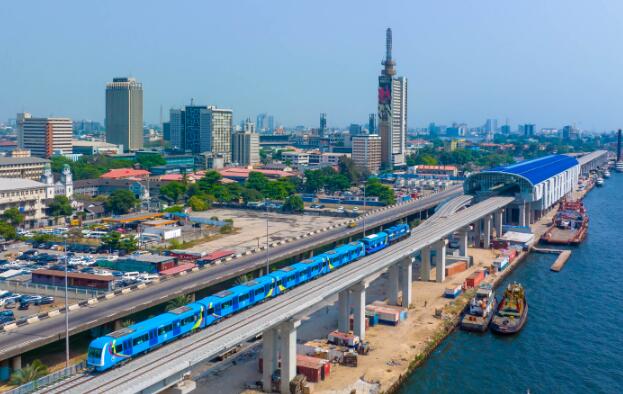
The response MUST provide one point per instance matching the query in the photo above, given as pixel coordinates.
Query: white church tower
(48, 180)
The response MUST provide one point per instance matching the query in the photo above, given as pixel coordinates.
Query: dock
(561, 260)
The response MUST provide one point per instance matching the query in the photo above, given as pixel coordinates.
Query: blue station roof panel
(538, 170)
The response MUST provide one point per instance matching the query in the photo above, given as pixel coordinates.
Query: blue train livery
(375, 242)
(120, 346)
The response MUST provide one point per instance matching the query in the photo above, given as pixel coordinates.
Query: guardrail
(49, 379)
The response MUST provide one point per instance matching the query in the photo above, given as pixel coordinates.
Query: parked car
(45, 300)
(6, 317)
(24, 306)
(317, 206)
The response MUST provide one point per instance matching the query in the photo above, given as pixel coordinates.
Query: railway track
(246, 324)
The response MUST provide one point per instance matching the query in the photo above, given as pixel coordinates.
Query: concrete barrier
(9, 327)
(93, 301)
(109, 295)
(33, 319)
(54, 312)
(73, 307)
(125, 290)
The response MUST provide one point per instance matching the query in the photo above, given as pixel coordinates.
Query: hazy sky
(548, 62)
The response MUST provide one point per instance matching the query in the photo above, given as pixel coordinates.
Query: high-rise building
(166, 131)
(355, 129)
(323, 124)
(271, 123)
(367, 152)
(45, 137)
(392, 112)
(265, 123)
(216, 127)
(505, 129)
(177, 128)
(527, 130)
(19, 122)
(124, 113)
(193, 140)
(372, 124)
(246, 146)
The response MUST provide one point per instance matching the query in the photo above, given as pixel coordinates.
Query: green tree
(209, 181)
(174, 208)
(112, 241)
(121, 201)
(337, 183)
(173, 190)
(151, 160)
(314, 181)
(294, 204)
(257, 181)
(177, 302)
(374, 187)
(30, 372)
(198, 204)
(348, 169)
(13, 216)
(60, 206)
(427, 159)
(249, 195)
(7, 231)
(129, 244)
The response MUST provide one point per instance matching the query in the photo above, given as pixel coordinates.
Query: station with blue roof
(536, 184)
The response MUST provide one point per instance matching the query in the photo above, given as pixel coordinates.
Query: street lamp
(66, 305)
(267, 253)
(364, 209)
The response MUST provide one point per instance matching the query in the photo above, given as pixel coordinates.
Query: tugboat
(481, 309)
(570, 224)
(512, 311)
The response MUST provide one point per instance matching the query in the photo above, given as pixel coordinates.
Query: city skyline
(458, 72)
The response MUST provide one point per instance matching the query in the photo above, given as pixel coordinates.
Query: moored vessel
(606, 173)
(512, 312)
(570, 224)
(480, 310)
(600, 181)
(619, 166)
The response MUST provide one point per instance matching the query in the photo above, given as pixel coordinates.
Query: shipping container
(456, 267)
(474, 279)
(452, 292)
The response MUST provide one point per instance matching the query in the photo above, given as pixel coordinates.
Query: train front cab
(375, 242)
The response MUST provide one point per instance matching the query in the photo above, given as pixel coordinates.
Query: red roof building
(125, 173)
(177, 269)
(241, 173)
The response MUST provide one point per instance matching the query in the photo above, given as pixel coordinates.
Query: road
(147, 373)
(32, 336)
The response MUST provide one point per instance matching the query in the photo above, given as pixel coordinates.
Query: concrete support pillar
(311, 254)
(407, 278)
(358, 293)
(487, 231)
(118, 324)
(269, 356)
(463, 237)
(393, 284)
(477, 233)
(522, 214)
(192, 297)
(425, 268)
(440, 260)
(343, 319)
(16, 363)
(499, 222)
(288, 354)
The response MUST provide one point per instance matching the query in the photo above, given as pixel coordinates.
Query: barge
(570, 225)
(480, 310)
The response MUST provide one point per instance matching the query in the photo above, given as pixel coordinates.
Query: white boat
(600, 181)
(606, 174)
(619, 166)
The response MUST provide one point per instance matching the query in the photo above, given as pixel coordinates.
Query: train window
(119, 347)
(259, 292)
(161, 331)
(210, 310)
(139, 340)
(168, 327)
(94, 352)
(226, 305)
(279, 282)
(243, 297)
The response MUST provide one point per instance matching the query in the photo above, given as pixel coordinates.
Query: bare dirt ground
(252, 228)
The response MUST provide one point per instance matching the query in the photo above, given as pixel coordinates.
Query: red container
(313, 374)
(325, 365)
(351, 322)
(474, 279)
(455, 268)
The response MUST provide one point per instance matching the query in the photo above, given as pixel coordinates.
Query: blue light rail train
(122, 345)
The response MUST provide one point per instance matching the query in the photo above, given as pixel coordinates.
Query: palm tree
(29, 373)
(177, 302)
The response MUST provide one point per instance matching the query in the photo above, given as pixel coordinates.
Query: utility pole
(267, 253)
(66, 307)
(364, 209)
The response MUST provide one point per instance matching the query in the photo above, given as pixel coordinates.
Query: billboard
(385, 97)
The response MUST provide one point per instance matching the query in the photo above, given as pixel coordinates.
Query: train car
(121, 345)
(344, 254)
(375, 242)
(398, 232)
(317, 266)
(285, 278)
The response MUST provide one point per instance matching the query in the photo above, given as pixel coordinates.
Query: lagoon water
(573, 340)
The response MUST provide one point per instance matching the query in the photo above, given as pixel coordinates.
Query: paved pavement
(32, 336)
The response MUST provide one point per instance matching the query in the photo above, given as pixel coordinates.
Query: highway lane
(34, 335)
(146, 372)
